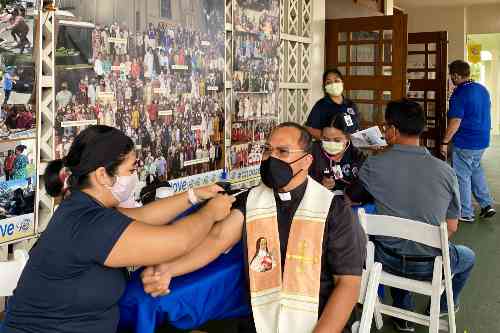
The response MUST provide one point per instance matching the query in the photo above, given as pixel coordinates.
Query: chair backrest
(10, 272)
(423, 233)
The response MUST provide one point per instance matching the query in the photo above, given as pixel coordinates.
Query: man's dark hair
(460, 67)
(305, 140)
(332, 71)
(407, 116)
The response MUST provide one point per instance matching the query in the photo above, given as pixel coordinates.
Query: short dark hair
(333, 70)
(407, 116)
(305, 140)
(459, 67)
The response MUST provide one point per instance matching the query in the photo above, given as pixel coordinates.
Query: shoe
(443, 313)
(487, 212)
(403, 325)
(467, 219)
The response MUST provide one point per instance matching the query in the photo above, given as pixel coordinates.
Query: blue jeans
(461, 261)
(471, 179)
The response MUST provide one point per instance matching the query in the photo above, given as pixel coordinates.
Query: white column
(318, 51)
(388, 7)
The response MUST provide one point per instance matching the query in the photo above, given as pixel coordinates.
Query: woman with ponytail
(77, 271)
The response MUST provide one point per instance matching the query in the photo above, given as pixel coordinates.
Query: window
(166, 9)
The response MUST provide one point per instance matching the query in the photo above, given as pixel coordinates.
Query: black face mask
(276, 173)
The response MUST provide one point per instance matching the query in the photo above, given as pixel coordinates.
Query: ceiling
(433, 3)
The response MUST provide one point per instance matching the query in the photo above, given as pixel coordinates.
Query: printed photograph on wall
(156, 73)
(255, 80)
(17, 189)
(256, 44)
(17, 72)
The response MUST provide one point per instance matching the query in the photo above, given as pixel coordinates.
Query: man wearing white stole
(305, 251)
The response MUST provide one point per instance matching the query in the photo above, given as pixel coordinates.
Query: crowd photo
(17, 73)
(162, 86)
(17, 178)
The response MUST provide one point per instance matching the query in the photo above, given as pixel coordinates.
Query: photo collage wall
(255, 80)
(17, 123)
(162, 85)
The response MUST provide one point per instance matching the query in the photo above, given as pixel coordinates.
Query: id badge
(337, 172)
(348, 120)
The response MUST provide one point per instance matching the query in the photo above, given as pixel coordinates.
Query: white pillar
(388, 7)
(317, 51)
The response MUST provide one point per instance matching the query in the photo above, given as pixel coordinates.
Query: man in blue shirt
(469, 124)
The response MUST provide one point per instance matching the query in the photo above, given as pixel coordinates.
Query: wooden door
(427, 77)
(371, 53)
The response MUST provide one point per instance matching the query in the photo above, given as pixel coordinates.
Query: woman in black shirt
(76, 272)
(336, 160)
(332, 104)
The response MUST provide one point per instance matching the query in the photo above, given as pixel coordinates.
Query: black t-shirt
(65, 287)
(325, 109)
(344, 241)
(349, 166)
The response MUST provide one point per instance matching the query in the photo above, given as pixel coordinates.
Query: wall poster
(17, 124)
(255, 80)
(17, 189)
(161, 81)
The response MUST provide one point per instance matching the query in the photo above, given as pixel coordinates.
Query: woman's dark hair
(340, 123)
(407, 116)
(332, 71)
(95, 147)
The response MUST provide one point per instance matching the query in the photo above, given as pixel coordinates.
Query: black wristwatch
(445, 143)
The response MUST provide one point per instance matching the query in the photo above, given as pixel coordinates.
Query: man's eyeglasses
(280, 152)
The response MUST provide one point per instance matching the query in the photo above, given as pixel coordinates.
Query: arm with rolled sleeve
(346, 256)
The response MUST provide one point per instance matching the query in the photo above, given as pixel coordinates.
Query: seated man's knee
(466, 256)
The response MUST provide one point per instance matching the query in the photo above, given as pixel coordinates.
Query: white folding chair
(368, 296)
(10, 272)
(433, 236)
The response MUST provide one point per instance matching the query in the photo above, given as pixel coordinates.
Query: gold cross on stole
(302, 258)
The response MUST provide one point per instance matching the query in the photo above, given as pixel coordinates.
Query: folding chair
(10, 272)
(433, 236)
(368, 296)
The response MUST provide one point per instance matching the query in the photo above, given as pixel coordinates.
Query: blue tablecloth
(214, 292)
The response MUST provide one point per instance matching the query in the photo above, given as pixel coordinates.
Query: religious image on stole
(162, 85)
(17, 72)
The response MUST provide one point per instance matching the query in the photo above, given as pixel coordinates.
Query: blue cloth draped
(217, 291)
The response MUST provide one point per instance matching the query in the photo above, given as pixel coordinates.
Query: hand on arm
(142, 244)
(340, 305)
(224, 235)
(163, 211)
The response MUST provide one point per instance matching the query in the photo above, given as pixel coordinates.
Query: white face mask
(123, 187)
(333, 147)
(335, 89)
